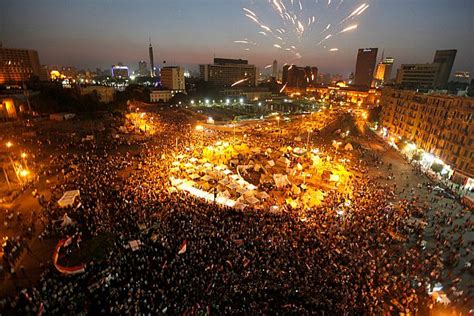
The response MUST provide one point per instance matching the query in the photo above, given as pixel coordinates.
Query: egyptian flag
(182, 248)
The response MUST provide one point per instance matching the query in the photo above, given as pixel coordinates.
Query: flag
(40, 309)
(182, 248)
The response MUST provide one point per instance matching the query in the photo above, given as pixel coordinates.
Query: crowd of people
(200, 257)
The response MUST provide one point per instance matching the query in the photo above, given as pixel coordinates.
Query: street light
(23, 155)
(24, 172)
(9, 144)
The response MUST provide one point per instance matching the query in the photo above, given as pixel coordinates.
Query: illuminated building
(462, 76)
(18, 65)
(417, 75)
(384, 70)
(299, 77)
(120, 71)
(142, 71)
(69, 72)
(161, 95)
(438, 124)
(172, 78)
(365, 66)
(445, 59)
(224, 72)
(8, 109)
(365, 96)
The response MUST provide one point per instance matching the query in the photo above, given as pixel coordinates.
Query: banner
(66, 270)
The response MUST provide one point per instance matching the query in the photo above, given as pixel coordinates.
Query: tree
(437, 167)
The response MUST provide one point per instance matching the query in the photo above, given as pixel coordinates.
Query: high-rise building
(384, 70)
(417, 75)
(365, 66)
(275, 69)
(18, 65)
(172, 78)
(225, 72)
(299, 77)
(152, 64)
(120, 71)
(462, 76)
(445, 58)
(142, 71)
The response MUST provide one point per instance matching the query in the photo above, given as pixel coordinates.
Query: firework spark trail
(356, 12)
(349, 28)
(276, 45)
(268, 66)
(283, 88)
(334, 49)
(249, 12)
(252, 18)
(239, 81)
(324, 39)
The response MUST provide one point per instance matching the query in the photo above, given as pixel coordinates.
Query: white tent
(280, 180)
(68, 198)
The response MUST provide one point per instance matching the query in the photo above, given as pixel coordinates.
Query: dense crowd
(366, 261)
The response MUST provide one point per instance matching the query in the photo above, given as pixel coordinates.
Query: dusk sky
(90, 34)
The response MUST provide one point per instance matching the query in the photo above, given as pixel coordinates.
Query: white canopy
(68, 198)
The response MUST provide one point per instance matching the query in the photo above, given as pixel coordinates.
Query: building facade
(120, 71)
(417, 75)
(299, 77)
(106, 94)
(142, 70)
(384, 70)
(365, 66)
(19, 65)
(252, 94)
(161, 95)
(172, 78)
(225, 72)
(462, 76)
(441, 125)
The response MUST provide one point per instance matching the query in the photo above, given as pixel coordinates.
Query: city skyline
(193, 33)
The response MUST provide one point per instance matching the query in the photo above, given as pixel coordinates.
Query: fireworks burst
(294, 26)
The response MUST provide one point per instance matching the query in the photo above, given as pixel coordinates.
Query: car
(438, 189)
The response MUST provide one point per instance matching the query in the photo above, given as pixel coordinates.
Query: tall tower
(152, 64)
(275, 69)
